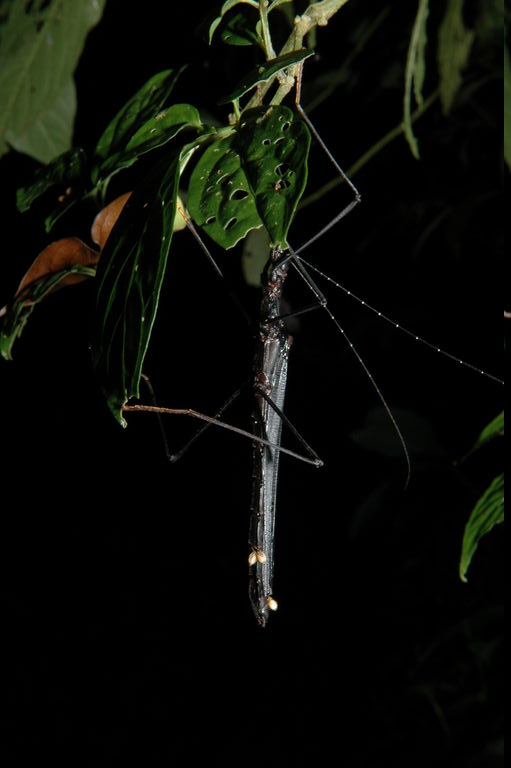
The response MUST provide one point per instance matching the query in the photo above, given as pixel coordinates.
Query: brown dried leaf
(57, 256)
(106, 218)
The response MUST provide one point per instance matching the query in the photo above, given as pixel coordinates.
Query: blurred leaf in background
(40, 44)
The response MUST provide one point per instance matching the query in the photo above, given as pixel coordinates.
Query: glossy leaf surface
(155, 132)
(265, 72)
(494, 429)
(488, 511)
(144, 105)
(129, 280)
(64, 170)
(220, 200)
(226, 7)
(273, 144)
(17, 313)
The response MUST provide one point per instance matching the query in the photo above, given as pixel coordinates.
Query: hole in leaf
(231, 223)
(266, 142)
(279, 140)
(282, 169)
(239, 194)
(210, 220)
(286, 126)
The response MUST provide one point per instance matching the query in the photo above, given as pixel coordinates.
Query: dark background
(127, 631)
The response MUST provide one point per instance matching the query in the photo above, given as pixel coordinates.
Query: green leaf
(66, 169)
(494, 429)
(237, 32)
(154, 133)
(488, 511)
(273, 144)
(129, 280)
(145, 104)
(226, 7)
(507, 106)
(265, 72)
(256, 175)
(454, 45)
(415, 72)
(17, 314)
(41, 44)
(220, 200)
(276, 3)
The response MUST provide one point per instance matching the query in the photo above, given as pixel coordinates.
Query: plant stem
(317, 14)
(263, 14)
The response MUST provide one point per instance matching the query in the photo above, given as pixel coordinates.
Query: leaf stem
(263, 14)
(317, 14)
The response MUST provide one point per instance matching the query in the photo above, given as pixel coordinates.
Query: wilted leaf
(454, 45)
(64, 262)
(41, 45)
(106, 218)
(415, 72)
(58, 256)
(488, 511)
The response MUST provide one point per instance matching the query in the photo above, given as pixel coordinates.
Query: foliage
(489, 510)
(40, 44)
(423, 648)
(247, 176)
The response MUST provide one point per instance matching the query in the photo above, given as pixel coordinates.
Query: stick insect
(270, 369)
(273, 342)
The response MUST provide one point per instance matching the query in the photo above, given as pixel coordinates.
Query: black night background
(127, 632)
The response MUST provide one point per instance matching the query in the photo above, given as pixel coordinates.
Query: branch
(317, 14)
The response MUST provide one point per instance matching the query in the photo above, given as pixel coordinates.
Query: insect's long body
(270, 375)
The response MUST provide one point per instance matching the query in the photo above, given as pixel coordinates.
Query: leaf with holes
(273, 144)
(265, 72)
(220, 200)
